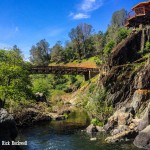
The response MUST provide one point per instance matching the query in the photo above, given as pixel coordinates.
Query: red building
(140, 15)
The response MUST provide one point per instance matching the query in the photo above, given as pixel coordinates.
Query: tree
(98, 40)
(69, 54)
(118, 18)
(14, 77)
(57, 54)
(79, 35)
(40, 53)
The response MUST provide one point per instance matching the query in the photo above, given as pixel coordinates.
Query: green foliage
(57, 54)
(118, 18)
(73, 79)
(122, 34)
(98, 61)
(147, 45)
(66, 115)
(95, 103)
(40, 53)
(80, 37)
(92, 87)
(109, 46)
(41, 85)
(14, 77)
(96, 122)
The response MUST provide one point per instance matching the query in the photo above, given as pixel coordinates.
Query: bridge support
(88, 75)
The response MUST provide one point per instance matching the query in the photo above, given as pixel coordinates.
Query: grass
(89, 63)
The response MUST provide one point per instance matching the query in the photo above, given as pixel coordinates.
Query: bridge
(87, 72)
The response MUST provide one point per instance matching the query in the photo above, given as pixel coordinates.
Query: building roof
(141, 4)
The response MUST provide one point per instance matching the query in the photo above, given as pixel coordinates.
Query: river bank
(63, 135)
(66, 134)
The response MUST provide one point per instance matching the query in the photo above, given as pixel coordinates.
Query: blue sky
(25, 22)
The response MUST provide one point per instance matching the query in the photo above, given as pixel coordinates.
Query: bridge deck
(62, 69)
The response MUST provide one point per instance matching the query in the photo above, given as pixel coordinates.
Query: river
(67, 135)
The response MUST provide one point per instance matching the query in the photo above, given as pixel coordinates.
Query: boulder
(145, 121)
(119, 129)
(8, 130)
(126, 134)
(40, 97)
(142, 140)
(57, 117)
(117, 137)
(100, 129)
(30, 116)
(123, 116)
(91, 129)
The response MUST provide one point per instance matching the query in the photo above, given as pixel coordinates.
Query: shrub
(108, 47)
(122, 34)
(96, 122)
(147, 45)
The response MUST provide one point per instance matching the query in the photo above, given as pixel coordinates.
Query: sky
(26, 22)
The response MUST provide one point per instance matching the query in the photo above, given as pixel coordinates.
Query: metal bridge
(87, 72)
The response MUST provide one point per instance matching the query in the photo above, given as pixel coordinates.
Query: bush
(122, 34)
(41, 85)
(147, 45)
(96, 122)
(108, 47)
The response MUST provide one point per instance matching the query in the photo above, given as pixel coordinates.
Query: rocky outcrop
(119, 137)
(123, 116)
(120, 83)
(126, 51)
(145, 121)
(142, 140)
(128, 88)
(30, 116)
(57, 117)
(92, 129)
(8, 130)
(142, 79)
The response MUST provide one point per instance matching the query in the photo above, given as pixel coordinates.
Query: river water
(66, 135)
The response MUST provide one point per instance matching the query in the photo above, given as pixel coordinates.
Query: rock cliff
(128, 90)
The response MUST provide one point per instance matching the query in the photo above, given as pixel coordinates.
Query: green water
(67, 135)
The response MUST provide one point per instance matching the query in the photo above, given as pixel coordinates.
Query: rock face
(120, 117)
(143, 139)
(128, 89)
(30, 116)
(8, 130)
(139, 97)
(126, 51)
(145, 121)
(142, 79)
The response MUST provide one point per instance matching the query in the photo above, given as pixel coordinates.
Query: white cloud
(79, 16)
(90, 5)
(85, 8)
